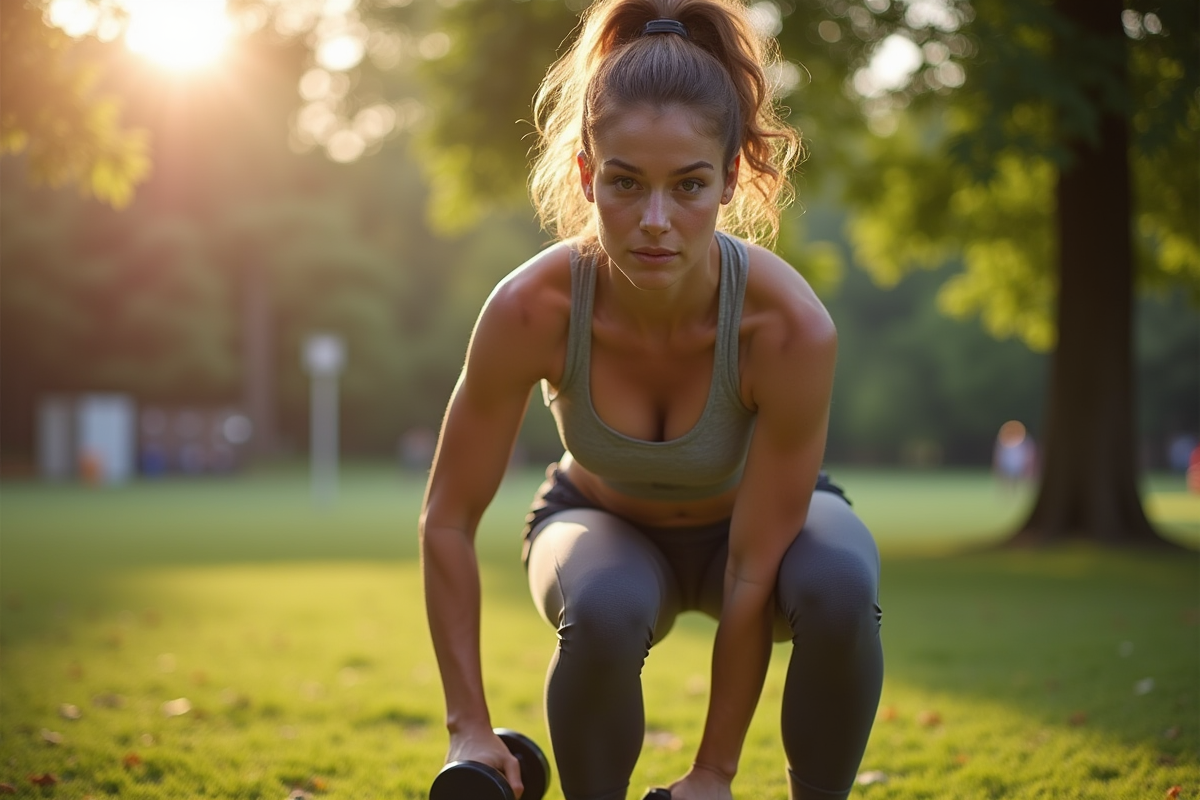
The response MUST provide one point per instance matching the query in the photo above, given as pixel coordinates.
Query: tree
(1031, 179)
(52, 111)
(1004, 140)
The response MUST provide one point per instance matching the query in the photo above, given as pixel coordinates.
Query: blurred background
(191, 190)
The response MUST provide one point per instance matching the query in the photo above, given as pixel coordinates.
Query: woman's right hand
(486, 747)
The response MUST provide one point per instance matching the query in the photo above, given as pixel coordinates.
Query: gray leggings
(613, 590)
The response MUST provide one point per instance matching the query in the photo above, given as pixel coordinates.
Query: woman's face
(658, 181)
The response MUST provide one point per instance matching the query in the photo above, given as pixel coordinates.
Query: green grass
(297, 636)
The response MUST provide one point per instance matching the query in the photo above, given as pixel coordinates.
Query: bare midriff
(652, 513)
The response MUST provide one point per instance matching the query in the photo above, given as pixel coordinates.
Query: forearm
(452, 603)
(741, 654)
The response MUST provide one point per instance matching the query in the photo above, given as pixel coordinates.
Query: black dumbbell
(658, 794)
(471, 780)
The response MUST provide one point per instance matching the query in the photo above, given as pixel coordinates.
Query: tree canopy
(54, 110)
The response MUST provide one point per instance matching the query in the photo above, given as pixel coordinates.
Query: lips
(655, 254)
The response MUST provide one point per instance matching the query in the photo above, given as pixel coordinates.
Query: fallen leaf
(68, 711)
(108, 700)
(7, 788)
(888, 713)
(177, 707)
(1174, 791)
(870, 777)
(318, 784)
(1078, 718)
(45, 779)
(929, 718)
(51, 737)
(131, 760)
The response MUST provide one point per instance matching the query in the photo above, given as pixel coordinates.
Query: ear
(731, 179)
(585, 176)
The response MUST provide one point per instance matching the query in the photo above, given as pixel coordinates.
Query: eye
(625, 183)
(691, 185)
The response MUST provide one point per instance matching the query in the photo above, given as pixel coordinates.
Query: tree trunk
(1089, 468)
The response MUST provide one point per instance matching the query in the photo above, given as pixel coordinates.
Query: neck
(658, 313)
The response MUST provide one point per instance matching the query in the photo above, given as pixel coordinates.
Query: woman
(689, 373)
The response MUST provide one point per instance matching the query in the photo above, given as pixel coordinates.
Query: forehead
(650, 136)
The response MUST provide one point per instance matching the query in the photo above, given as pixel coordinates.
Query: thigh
(581, 554)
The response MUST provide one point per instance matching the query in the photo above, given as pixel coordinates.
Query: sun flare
(178, 34)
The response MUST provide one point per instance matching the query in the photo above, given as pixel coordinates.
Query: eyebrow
(616, 162)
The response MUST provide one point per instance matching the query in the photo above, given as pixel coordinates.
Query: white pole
(324, 355)
(324, 433)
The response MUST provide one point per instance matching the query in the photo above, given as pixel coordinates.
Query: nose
(656, 218)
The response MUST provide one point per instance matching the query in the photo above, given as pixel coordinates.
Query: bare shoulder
(783, 319)
(524, 321)
(536, 293)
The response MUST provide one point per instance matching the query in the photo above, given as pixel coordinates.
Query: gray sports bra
(704, 462)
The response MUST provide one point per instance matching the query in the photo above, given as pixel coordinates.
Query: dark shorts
(557, 493)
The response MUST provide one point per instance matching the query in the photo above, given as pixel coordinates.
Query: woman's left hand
(702, 784)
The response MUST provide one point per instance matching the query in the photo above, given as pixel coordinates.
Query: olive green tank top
(704, 462)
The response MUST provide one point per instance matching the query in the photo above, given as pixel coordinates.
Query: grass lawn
(226, 639)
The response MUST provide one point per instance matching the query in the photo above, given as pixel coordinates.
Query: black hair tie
(665, 26)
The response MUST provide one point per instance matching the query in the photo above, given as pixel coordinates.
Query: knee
(833, 599)
(609, 621)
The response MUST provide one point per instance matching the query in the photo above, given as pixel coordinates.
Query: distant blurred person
(1179, 451)
(1014, 460)
(690, 373)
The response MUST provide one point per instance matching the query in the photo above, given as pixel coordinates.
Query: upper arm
(790, 367)
(517, 340)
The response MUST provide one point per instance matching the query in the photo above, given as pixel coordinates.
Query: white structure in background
(106, 437)
(93, 436)
(324, 356)
(56, 438)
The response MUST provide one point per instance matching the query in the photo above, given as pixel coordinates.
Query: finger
(512, 774)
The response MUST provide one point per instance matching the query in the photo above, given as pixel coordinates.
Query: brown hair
(718, 70)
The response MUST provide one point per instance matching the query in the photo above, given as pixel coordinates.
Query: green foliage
(917, 387)
(53, 112)
(969, 175)
(922, 212)
(477, 146)
(110, 305)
